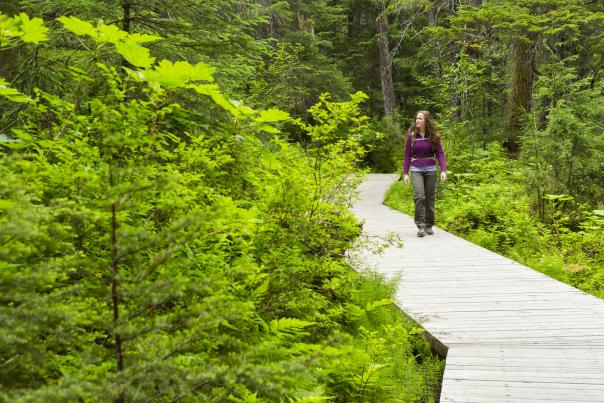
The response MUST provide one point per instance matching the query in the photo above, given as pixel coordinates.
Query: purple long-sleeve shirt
(420, 154)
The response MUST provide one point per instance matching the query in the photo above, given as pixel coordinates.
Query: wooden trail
(509, 333)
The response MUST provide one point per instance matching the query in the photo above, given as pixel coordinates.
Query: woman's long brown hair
(431, 129)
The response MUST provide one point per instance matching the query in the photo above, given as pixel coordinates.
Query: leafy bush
(485, 202)
(160, 242)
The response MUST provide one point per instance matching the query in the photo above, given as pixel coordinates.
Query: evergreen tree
(161, 242)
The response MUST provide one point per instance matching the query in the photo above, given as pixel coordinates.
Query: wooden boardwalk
(509, 333)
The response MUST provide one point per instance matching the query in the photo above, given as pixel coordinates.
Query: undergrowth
(485, 201)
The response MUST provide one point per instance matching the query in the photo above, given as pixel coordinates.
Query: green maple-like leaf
(9, 29)
(78, 27)
(111, 33)
(177, 75)
(268, 128)
(33, 30)
(135, 54)
(143, 38)
(201, 72)
(272, 115)
(213, 92)
(11, 93)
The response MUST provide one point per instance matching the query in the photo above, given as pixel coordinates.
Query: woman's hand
(443, 176)
(406, 179)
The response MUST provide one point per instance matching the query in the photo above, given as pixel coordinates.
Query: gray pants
(424, 186)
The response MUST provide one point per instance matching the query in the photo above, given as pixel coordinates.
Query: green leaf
(416, 330)
(111, 33)
(560, 197)
(201, 72)
(261, 290)
(289, 325)
(372, 305)
(212, 91)
(272, 115)
(136, 55)
(8, 29)
(78, 27)
(168, 74)
(14, 144)
(80, 74)
(11, 93)
(34, 30)
(177, 75)
(599, 212)
(7, 204)
(269, 129)
(143, 38)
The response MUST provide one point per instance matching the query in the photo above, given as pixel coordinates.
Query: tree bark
(126, 9)
(354, 22)
(305, 24)
(432, 15)
(385, 61)
(301, 21)
(453, 7)
(519, 102)
(456, 113)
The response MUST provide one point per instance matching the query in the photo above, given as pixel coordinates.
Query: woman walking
(422, 149)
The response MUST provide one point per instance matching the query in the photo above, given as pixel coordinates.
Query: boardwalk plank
(510, 334)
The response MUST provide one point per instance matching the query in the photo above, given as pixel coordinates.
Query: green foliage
(385, 363)
(215, 32)
(11, 94)
(158, 245)
(536, 209)
(475, 85)
(21, 28)
(485, 201)
(141, 117)
(387, 153)
(13, 31)
(564, 140)
(485, 45)
(292, 77)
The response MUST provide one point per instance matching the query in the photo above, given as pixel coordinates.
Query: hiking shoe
(429, 231)
(421, 232)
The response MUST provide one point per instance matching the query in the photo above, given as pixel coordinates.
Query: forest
(177, 178)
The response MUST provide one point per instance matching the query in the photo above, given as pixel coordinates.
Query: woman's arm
(407, 163)
(440, 156)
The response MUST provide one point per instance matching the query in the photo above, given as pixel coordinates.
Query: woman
(423, 145)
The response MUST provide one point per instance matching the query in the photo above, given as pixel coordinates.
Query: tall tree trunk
(453, 6)
(301, 21)
(268, 29)
(385, 61)
(433, 12)
(305, 23)
(432, 15)
(456, 113)
(519, 101)
(355, 20)
(126, 9)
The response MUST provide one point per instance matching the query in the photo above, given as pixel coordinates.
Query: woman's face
(420, 121)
